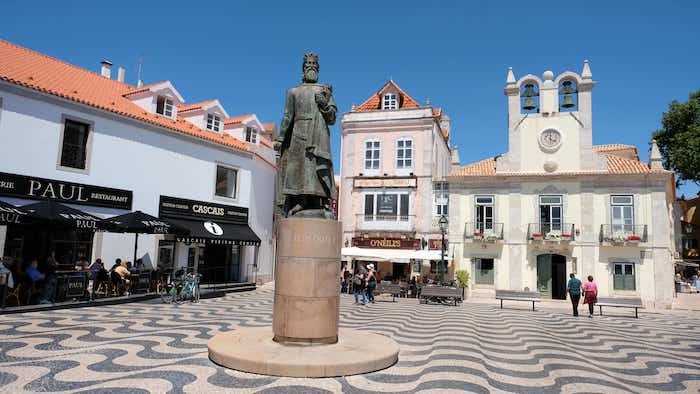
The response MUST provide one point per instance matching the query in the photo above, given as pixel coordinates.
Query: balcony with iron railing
(483, 232)
(623, 234)
(386, 222)
(550, 232)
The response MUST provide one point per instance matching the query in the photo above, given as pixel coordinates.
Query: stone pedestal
(306, 281)
(304, 340)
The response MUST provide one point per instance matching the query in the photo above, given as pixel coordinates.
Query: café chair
(15, 293)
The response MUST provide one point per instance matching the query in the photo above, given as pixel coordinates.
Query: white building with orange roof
(556, 204)
(106, 147)
(395, 155)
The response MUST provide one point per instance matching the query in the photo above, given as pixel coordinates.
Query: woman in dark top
(371, 283)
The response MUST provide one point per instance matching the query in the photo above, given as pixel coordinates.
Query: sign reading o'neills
(34, 188)
(386, 243)
(174, 207)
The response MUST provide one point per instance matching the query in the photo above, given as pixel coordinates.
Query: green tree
(679, 138)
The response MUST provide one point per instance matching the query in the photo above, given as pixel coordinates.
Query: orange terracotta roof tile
(374, 101)
(42, 73)
(270, 127)
(142, 89)
(485, 167)
(616, 164)
(237, 119)
(194, 106)
(265, 141)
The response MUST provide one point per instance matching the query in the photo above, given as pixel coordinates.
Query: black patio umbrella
(10, 214)
(60, 214)
(138, 222)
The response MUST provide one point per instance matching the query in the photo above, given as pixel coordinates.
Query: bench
(440, 294)
(620, 302)
(513, 295)
(389, 288)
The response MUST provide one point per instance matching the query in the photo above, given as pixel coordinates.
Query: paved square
(475, 347)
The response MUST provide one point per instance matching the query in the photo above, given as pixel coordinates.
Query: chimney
(106, 69)
(121, 74)
(139, 83)
(655, 157)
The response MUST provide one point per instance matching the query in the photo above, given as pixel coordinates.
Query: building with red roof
(106, 147)
(555, 204)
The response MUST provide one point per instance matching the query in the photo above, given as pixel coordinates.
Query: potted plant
(537, 236)
(462, 280)
(553, 236)
(478, 234)
(566, 236)
(634, 238)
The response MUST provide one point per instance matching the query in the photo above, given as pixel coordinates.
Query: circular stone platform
(253, 350)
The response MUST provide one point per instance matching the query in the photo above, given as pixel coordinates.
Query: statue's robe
(305, 166)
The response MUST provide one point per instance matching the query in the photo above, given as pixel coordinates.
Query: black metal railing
(483, 231)
(623, 233)
(552, 231)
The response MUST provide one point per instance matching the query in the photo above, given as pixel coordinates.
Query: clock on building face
(550, 139)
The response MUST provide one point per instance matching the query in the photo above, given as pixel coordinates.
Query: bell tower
(550, 123)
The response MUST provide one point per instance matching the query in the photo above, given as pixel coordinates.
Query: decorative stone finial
(655, 157)
(586, 73)
(548, 75)
(510, 79)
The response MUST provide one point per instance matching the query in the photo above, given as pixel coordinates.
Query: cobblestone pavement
(475, 347)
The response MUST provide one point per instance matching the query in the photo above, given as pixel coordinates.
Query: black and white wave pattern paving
(475, 347)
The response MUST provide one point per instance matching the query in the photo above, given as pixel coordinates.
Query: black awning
(55, 212)
(216, 233)
(10, 214)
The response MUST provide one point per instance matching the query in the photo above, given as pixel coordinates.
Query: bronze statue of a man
(305, 175)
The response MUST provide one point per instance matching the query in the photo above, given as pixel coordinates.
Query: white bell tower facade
(550, 123)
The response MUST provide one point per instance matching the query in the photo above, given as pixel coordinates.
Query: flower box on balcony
(537, 236)
(566, 237)
(634, 238)
(478, 235)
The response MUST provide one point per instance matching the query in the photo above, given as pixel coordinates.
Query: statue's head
(310, 68)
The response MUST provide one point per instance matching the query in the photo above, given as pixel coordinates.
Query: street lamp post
(443, 229)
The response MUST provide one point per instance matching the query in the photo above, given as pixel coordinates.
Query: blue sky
(247, 53)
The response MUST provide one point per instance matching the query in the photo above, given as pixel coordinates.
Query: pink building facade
(395, 155)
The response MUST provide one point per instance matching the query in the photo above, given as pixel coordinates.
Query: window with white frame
(404, 153)
(226, 182)
(484, 213)
(213, 122)
(372, 154)
(164, 106)
(441, 193)
(251, 135)
(551, 213)
(386, 207)
(622, 214)
(390, 101)
(74, 146)
(623, 276)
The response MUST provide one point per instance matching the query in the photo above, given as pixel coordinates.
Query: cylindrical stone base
(307, 296)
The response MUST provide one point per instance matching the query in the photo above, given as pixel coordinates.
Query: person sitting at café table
(39, 280)
(139, 266)
(124, 274)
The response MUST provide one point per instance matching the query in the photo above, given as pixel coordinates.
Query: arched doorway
(551, 276)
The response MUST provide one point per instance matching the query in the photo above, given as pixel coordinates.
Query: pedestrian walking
(590, 294)
(358, 284)
(371, 283)
(573, 287)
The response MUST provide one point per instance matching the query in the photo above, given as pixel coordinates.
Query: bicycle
(186, 289)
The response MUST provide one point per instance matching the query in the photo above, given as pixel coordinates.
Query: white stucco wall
(128, 155)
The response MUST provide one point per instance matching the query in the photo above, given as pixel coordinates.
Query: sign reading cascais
(386, 243)
(190, 209)
(34, 188)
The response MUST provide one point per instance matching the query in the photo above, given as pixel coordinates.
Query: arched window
(568, 96)
(530, 98)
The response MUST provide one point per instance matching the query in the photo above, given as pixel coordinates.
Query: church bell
(529, 93)
(568, 90)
